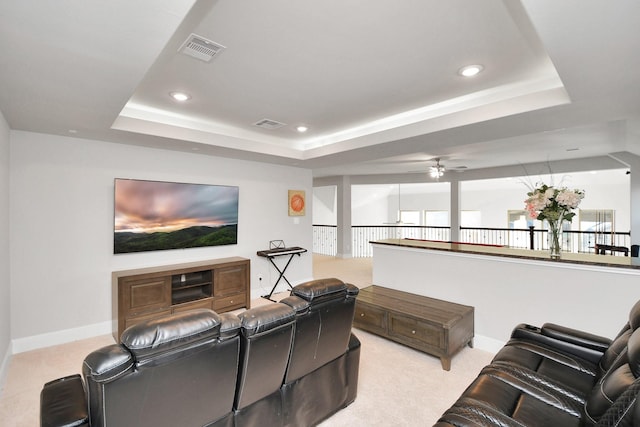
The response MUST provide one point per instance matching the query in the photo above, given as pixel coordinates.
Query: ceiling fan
(437, 170)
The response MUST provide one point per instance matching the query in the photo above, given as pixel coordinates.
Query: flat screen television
(155, 215)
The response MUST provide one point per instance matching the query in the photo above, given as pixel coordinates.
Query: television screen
(153, 215)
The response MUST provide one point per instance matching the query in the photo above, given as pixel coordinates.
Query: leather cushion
(298, 304)
(63, 404)
(171, 332)
(320, 289)
(229, 326)
(107, 363)
(264, 318)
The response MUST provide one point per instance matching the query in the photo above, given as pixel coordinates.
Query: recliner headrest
(320, 290)
(265, 318)
(171, 332)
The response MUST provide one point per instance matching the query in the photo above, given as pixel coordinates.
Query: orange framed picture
(296, 203)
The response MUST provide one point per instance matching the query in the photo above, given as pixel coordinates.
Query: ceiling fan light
(436, 171)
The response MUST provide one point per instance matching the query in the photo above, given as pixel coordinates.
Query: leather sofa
(556, 376)
(292, 363)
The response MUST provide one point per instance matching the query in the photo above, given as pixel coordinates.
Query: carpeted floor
(397, 386)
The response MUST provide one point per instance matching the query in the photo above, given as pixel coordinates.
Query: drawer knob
(231, 302)
(413, 332)
(361, 314)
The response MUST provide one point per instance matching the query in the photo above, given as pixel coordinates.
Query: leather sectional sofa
(292, 363)
(556, 376)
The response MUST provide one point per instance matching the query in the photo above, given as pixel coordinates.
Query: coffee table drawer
(421, 333)
(370, 318)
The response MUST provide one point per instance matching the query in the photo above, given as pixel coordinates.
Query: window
(519, 219)
(436, 218)
(597, 226)
(410, 217)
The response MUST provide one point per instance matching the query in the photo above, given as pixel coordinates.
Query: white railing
(325, 238)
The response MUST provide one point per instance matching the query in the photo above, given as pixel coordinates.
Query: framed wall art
(296, 203)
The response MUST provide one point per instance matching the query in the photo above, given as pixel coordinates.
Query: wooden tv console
(437, 327)
(144, 293)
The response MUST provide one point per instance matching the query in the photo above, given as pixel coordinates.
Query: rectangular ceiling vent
(268, 124)
(200, 48)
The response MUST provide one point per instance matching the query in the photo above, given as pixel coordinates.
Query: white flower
(568, 198)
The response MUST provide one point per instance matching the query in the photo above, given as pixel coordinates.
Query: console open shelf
(186, 287)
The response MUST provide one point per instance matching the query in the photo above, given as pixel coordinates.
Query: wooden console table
(437, 327)
(219, 284)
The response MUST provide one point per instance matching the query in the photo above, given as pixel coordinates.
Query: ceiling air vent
(268, 124)
(200, 48)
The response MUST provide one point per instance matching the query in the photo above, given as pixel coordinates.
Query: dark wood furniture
(437, 327)
(602, 249)
(141, 294)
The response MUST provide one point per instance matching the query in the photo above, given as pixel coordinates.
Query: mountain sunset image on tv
(155, 215)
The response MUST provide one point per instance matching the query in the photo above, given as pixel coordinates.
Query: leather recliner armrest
(565, 339)
(63, 403)
(574, 336)
(229, 326)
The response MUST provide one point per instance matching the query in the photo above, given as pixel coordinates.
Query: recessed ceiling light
(180, 96)
(470, 70)
(302, 128)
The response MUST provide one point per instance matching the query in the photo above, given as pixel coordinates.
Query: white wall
(325, 209)
(370, 204)
(62, 227)
(607, 189)
(5, 320)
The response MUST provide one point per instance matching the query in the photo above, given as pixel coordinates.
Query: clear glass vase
(554, 239)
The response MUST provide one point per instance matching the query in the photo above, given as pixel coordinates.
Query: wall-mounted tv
(155, 215)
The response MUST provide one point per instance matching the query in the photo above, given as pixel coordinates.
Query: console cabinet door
(230, 280)
(146, 295)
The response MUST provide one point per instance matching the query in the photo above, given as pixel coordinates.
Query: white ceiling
(375, 81)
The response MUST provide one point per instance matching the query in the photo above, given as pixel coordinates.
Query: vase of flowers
(554, 238)
(555, 205)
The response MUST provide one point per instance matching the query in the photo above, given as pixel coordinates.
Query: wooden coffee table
(437, 327)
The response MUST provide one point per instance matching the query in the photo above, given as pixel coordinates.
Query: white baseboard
(485, 343)
(60, 337)
(4, 367)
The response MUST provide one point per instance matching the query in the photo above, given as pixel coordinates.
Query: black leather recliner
(322, 345)
(265, 344)
(199, 368)
(175, 370)
(556, 376)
